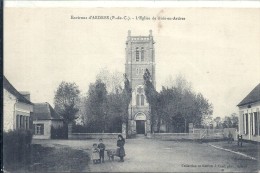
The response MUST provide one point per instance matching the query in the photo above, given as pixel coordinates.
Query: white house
(249, 115)
(44, 118)
(17, 110)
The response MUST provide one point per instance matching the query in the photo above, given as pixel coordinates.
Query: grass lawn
(250, 149)
(52, 159)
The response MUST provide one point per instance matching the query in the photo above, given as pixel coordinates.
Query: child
(101, 147)
(95, 154)
(121, 149)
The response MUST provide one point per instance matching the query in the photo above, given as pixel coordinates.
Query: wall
(93, 135)
(255, 107)
(47, 129)
(57, 123)
(8, 110)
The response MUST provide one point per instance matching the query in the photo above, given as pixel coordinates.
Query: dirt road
(148, 155)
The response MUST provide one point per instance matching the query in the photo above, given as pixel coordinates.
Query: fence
(175, 136)
(93, 135)
(197, 134)
(210, 133)
(90, 135)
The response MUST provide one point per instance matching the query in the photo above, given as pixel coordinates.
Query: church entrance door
(140, 127)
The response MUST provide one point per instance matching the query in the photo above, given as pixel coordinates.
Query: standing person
(120, 145)
(95, 154)
(101, 147)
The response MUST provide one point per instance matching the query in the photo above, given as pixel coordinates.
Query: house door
(140, 127)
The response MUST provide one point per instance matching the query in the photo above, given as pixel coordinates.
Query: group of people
(98, 150)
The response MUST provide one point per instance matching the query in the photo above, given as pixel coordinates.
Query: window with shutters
(25, 123)
(256, 124)
(246, 124)
(21, 121)
(252, 124)
(17, 121)
(39, 129)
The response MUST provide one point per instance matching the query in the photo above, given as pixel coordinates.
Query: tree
(81, 114)
(105, 112)
(234, 120)
(115, 111)
(204, 110)
(65, 101)
(96, 106)
(127, 97)
(231, 121)
(218, 122)
(151, 96)
(112, 80)
(179, 105)
(179, 83)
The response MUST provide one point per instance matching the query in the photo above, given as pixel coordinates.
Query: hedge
(16, 147)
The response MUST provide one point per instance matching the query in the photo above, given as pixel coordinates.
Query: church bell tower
(139, 57)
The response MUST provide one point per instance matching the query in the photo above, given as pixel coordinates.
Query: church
(139, 57)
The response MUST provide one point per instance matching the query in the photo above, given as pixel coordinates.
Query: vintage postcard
(131, 89)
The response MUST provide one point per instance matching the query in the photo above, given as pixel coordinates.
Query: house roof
(252, 97)
(44, 111)
(9, 87)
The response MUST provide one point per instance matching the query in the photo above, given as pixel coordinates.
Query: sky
(216, 49)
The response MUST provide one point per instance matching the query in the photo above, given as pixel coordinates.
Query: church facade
(139, 57)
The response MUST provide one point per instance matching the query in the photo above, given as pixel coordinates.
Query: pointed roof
(9, 87)
(252, 97)
(44, 111)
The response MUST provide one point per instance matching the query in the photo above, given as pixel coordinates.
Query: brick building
(139, 57)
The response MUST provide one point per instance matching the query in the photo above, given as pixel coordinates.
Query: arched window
(142, 100)
(137, 100)
(137, 54)
(142, 54)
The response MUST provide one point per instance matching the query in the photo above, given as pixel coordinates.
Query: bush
(60, 132)
(16, 147)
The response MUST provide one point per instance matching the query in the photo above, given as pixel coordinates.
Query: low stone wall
(175, 136)
(93, 135)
